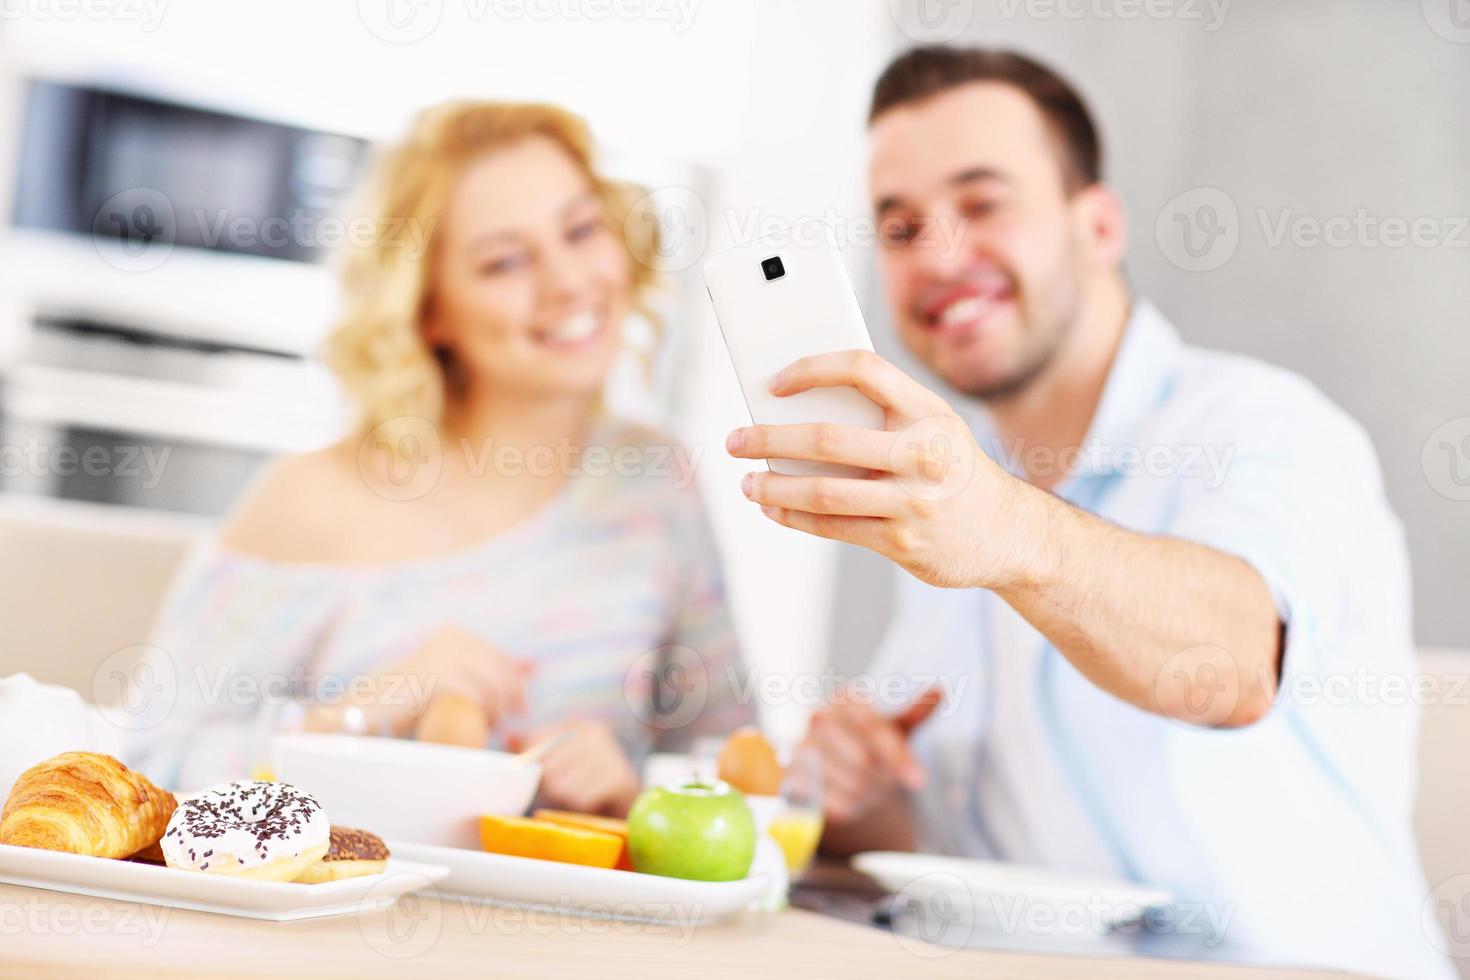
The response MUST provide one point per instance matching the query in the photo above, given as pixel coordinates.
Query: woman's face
(530, 285)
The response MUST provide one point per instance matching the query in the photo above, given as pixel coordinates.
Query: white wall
(802, 141)
(765, 99)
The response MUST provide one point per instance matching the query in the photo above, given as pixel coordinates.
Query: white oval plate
(588, 891)
(997, 892)
(277, 901)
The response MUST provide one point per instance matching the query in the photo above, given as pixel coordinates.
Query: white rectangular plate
(589, 891)
(277, 901)
(989, 889)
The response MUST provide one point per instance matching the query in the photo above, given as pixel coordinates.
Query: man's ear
(1103, 224)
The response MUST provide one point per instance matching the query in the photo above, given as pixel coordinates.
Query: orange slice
(525, 837)
(590, 821)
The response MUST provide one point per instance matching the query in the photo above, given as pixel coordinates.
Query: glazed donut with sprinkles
(248, 829)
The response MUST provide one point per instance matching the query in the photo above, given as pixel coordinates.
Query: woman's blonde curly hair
(377, 348)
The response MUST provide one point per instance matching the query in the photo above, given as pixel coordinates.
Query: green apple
(699, 830)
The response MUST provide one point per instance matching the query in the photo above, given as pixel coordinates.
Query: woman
(487, 554)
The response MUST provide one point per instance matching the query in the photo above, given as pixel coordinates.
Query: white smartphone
(779, 299)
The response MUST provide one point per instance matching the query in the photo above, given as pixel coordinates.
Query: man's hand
(865, 755)
(933, 502)
(1163, 623)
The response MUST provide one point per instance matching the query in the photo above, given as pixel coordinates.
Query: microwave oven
(114, 165)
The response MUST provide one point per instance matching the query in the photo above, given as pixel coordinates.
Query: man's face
(984, 252)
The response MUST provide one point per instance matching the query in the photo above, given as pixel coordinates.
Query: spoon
(541, 748)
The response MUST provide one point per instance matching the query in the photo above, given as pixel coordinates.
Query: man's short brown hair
(927, 71)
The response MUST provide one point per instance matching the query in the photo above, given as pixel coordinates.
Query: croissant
(85, 803)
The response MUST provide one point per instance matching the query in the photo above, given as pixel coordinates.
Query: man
(1151, 589)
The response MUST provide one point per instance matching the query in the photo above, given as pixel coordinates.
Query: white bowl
(412, 791)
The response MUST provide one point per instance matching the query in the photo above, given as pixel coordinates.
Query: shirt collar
(1141, 375)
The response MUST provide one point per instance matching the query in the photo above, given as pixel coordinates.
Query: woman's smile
(578, 330)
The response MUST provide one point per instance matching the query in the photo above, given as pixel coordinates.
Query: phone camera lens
(773, 268)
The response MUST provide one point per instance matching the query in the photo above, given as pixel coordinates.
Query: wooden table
(54, 934)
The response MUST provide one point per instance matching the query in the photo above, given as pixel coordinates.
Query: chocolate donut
(351, 854)
(351, 844)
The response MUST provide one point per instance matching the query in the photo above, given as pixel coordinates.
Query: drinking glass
(797, 826)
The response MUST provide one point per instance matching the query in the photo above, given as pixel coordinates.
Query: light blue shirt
(1290, 838)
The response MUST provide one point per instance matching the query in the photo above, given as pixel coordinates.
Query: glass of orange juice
(797, 826)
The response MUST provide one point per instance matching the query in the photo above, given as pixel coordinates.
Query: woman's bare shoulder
(301, 508)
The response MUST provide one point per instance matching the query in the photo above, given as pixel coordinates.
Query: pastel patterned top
(614, 590)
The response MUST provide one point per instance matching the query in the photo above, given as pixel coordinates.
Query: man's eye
(897, 233)
(980, 209)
